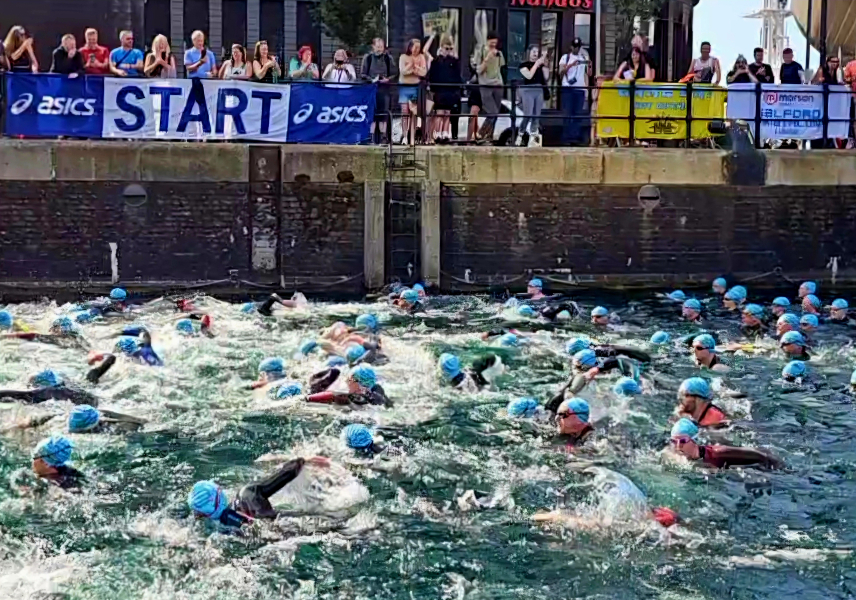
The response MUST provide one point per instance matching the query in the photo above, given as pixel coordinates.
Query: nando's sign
(578, 4)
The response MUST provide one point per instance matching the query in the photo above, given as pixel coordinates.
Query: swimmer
(787, 322)
(523, 408)
(322, 380)
(806, 288)
(704, 354)
(684, 441)
(271, 369)
(62, 332)
(838, 313)
(660, 338)
(734, 298)
(207, 499)
(10, 323)
(752, 317)
(453, 375)
(599, 316)
(561, 312)
(586, 366)
(572, 421)
(359, 438)
(487, 369)
(811, 305)
(808, 325)
(793, 344)
(409, 301)
(535, 289)
(50, 462)
(88, 419)
(691, 310)
(606, 350)
(676, 296)
(135, 343)
(780, 306)
(362, 389)
(186, 326)
(49, 385)
(266, 308)
(114, 305)
(796, 372)
(626, 387)
(694, 397)
(719, 286)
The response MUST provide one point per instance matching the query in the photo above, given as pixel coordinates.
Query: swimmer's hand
(736, 346)
(591, 373)
(318, 461)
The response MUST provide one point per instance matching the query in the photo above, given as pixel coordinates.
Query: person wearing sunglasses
(207, 499)
(684, 440)
(572, 421)
(691, 310)
(793, 344)
(752, 320)
(704, 354)
(694, 396)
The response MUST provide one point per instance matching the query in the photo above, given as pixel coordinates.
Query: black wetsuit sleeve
(68, 477)
(231, 518)
(254, 498)
(496, 332)
(551, 312)
(631, 352)
(74, 395)
(26, 396)
(746, 457)
(609, 364)
(377, 396)
(323, 380)
(554, 402)
(95, 374)
(267, 305)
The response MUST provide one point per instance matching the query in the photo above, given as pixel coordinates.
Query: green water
(397, 528)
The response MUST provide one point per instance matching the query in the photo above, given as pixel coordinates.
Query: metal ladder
(404, 177)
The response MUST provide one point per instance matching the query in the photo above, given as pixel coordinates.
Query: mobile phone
(92, 58)
(203, 53)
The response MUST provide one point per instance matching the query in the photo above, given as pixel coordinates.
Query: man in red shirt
(96, 59)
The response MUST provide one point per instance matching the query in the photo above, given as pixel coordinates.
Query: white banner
(781, 104)
(195, 109)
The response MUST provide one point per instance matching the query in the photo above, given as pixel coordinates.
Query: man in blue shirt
(791, 71)
(199, 61)
(126, 61)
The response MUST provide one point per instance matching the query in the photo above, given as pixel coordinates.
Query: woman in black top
(533, 92)
(19, 51)
(445, 70)
(741, 73)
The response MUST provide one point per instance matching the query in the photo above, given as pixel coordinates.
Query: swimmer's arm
(329, 398)
(95, 374)
(22, 335)
(554, 402)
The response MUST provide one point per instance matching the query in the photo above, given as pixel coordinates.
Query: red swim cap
(665, 516)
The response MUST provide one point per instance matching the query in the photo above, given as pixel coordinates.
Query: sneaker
(535, 140)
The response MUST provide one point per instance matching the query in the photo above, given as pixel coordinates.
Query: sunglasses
(699, 348)
(565, 415)
(680, 440)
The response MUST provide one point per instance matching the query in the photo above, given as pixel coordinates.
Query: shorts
(447, 99)
(408, 93)
(381, 102)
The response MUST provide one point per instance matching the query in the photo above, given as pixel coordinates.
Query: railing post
(689, 112)
(423, 104)
(825, 115)
(758, 115)
(513, 112)
(632, 115)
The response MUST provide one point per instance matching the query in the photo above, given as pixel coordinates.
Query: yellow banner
(656, 105)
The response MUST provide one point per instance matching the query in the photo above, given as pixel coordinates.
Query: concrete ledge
(663, 166)
(817, 167)
(324, 163)
(26, 161)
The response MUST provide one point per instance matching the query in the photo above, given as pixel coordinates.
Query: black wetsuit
(753, 330)
(66, 477)
(723, 457)
(266, 307)
(323, 380)
(253, 501)
(610, 351)
(713, 362)
(63, 392)
(567, 439)
(551, 312)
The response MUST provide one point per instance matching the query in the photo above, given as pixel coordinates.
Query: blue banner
(48, 105)
(330, 114)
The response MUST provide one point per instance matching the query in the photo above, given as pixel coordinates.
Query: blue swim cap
(184, 327)
(522, 407)
(525, 311)
(118, 294)
(756, 310)
(354, 353)
(790, 319)
(695, 386)
(289, 389)
(794, 369)
(46, 378)
(5, 319)
(705, 340)
(693, 304)
(536, 283)
(781, 301)
(720, 282)
(307, 347)
(127, 345)
(62, 324)
(273, 364)
(418, 287)
(810, 286)
(810, 320)
(364, 375)
(577, 344)
(55, 451)
(599, 311)
(509, 339)
(577, 406)
(736, 294)
(585, 358)
(410, 296)
(248, 307)
(357, 437)
(813, 300)
(661, 338)
(83, 316)
(83, 418)
(336, 361)
(367, 322)
(840, 303)
(207, 499)
(792, 337)
(685, 428)
(627, 387)
(677, 296)
(450, 365)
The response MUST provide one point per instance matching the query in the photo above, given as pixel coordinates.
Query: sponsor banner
(661, 110)
(54, 105)
(195, 109)
(791, 111)
(331, 115)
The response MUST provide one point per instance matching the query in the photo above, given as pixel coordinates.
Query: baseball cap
(577, 42)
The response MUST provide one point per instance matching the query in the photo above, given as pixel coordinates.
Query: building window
(308, 32)
(195, 17)
(449, 25)
(271, 19)
(518, 40)
(484, 22)
(582, 28)
(551, 45)
(235, 25)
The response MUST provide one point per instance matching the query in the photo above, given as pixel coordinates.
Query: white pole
(598, 54)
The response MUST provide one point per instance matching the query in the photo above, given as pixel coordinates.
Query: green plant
(626, 11)
(353, 22)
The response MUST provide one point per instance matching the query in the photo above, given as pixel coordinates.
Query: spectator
(301, 67)
(533, 93)
(741, 73)
(66, 60)
(95, 58)
(378, 67)
(445, 74)
(490, 79)
(198, 60)
(761, 70)
(4, 62)
(19, 51)
(340, 70)
(574, 70)
(634, 69)
(828, 73)
(641, 42)
(126, 61)
(160, 63)
(266, 65)
(236, 67)
(791, 72)
(412, 66)
(474, 102)
(705, 68)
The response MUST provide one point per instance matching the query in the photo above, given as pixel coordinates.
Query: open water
(404, 526)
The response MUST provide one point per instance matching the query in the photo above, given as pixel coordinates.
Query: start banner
(661, 110)
(792, 112)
